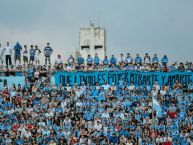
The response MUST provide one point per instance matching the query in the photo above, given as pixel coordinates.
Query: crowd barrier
(9, 80)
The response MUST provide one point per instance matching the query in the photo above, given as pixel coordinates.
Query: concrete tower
(92, 40)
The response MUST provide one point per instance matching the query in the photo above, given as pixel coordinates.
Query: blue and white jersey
(155, 60)
(113, 60)
(48, 51)
(96, 60)
(80, 60)
(89, 60)
(164, 60)
(128, 59)
(105, 61)
(138, 60)
(32, 52)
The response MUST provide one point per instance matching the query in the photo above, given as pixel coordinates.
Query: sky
(135, 26)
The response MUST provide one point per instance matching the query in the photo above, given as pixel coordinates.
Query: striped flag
(157, 107)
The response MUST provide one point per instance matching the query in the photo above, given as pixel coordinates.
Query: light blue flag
(157, 107)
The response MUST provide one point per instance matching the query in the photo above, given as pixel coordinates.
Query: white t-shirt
(98, 127)
(121, 59)
(36, 74)
(131, 88)
(70, 60)
(37, 52)
(79, 104)
(25, 53)
(27, 134)
(11, 111)
(97, 87)
(8, 50)
(114, 88)
(58, 61)
(68, 88)
(147, 60)
(154, 93)
(163, 92)
(106, 86)
(105, 115)
(157, 87)
(129, 143)
(129, 59)
(13, 93)
(50, 114)
(63, 104)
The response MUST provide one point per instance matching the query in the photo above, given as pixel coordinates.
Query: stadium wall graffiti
(110, 77)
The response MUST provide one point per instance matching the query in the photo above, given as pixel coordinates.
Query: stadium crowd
(43, 113)
(31, 58)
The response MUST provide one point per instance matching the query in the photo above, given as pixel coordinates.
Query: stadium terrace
(94, 101)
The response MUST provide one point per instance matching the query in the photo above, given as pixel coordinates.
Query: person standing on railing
(25, 55)
(37, 54)
(2, 50)
(32, 54)
(47, 53)
(8, 52)
(17, 48)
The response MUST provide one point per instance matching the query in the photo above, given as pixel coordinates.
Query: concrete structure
(92, 41)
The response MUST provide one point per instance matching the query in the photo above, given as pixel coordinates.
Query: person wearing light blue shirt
(164, 60)
(124, 132)
(96, 59)
(46, 132)
(89, 60)
(114, 139)
(138, 59)
(155, 59)
(113, 60)
(19, 141)
(88, 116)
(105, 61)
(128, 59)
(80, 60)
